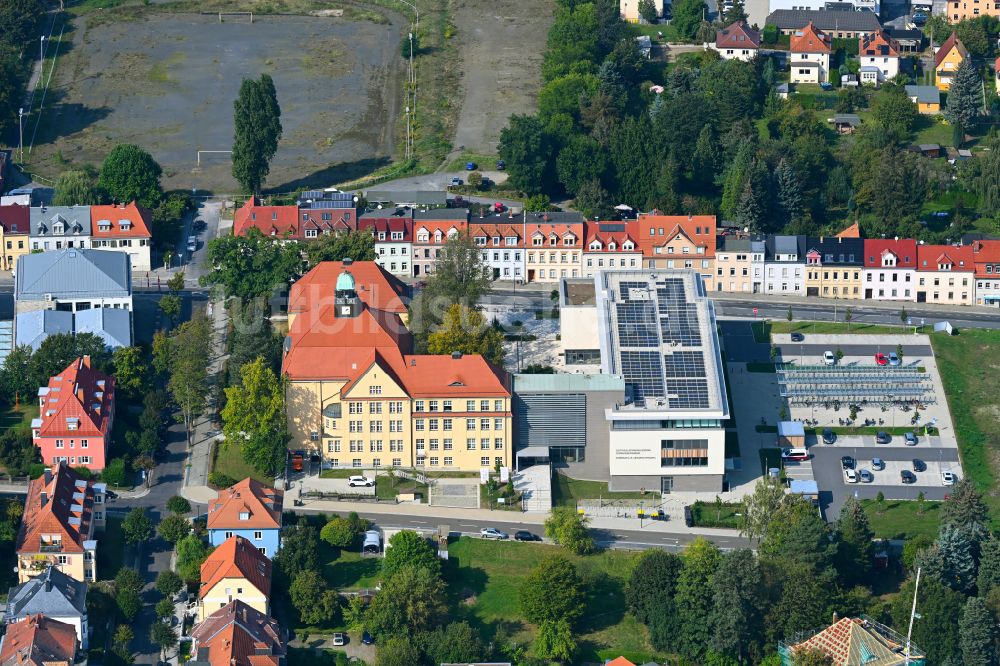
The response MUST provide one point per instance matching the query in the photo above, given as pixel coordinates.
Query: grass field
(567, 491)
(762, 330)
(229, 461)
(706, 514)
(902, 519)
(19, 418)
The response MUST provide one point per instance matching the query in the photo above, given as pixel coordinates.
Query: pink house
(76, 413)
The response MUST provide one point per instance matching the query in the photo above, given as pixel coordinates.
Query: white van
(373, 542)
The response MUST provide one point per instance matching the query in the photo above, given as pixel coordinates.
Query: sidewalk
(891, 306)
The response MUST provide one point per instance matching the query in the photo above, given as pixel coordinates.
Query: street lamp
(20, 132)
(41, 51)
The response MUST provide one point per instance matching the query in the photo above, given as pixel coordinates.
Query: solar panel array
(637, 324)
(328, 204)
(678, 318)
(641, 370)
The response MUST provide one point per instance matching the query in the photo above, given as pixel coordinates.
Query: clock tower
(346, 302)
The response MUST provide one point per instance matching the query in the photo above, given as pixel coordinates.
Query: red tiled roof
(511, 229)
(905, 250)
(986, 252)
(433, 226)
(699, 229)
(810, 39)
(953, 42)
(620, 661)
(239, 635)
(14, 217)
(854, 642)
(80, 395)
(853, 231)
(38, 641)
(960, 257)
(592, 231)
(277, 221)
(126, 221)
(340, 219)
(737, 36)
(376, 287)
(236, 558)
(64, 512)
(263, 503)
(387, 225)
(878, 44)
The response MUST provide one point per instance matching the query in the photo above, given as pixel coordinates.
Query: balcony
(50, 548)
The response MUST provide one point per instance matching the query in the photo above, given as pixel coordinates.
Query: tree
(316, 603)
(958, 554)
(650, 589)
(854, 543)
(812, 657)
(188, 364)
(57, 351)
(964, 105)
(251, 265)
(164, 608)
(13, 77)
(355, 245)
(694, 597)
(19, 21)
(354, 613)
(977, 634)
(789, 189)
(114, 474)
(989, 566)
(460, 274)
(796, 533)
(848, 317)
(569, 529)
(254, 417)
(411, 601)
(178, 505)
(16, 379)
(131, 370)
(397, 651)
(465, 330)
(965, 508)
(170, 306)
(173, 528)
(554, 640)
(456, 643)
(647, 10)
(168, 583)
(342, 532)
(582, 160)
(573, 39)
(137, 526)
(257, 120)
(705, 161)
(527, 151)
(593, 200)
(937, 631)
(191, 553)
(76, 188)
(163, 636)
(299, 550)
(145, 464)
(538, 203)
(553, 591)
(121, 644)
(736, 12)
(893, 111)
(688, 15)
(129, 173)
(407, 548)
(737, 605)
(128, 585)
(760, 507)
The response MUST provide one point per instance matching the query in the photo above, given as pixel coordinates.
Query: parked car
(829, 436)
(880, 359)
(919, 19)
(373, 542)
(882, 437)
(360, 482)
(367, 639)
(906, 476)
(110, 495)
(470, 166)
(894, 359)
(911, 439)
(847, 462)
(525, 535)
(456, 182)
(851, 476)
(339, 639)
(829, 358)
(948, 478)
(919, 465)
(492, 533)
(798, 337)
(795, 454)
(878, 464)
(865, 476)
(501, 165)
(826, 85)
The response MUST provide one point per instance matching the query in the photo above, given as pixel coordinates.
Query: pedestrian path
(535, 486)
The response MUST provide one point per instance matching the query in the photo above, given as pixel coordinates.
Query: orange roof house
(121, 221)
(235, 570)
(273, 221)
(377, 288)
(856, 642)
(853, 231)
(249, 509)
(878, 44)
(679, 241)
(38, 641)
(810, 39)
(948, 59)
(60, 512)
(76, 415)
(238, 635)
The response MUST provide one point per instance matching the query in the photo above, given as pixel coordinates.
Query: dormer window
(480, 240)
(510, 240)
(437, 236)
(58, 228)
(596, 245)
(104, 225)
(125, 224)
(627, 245)
(452, 233)
(244, 515)
(381, 235)
(423, 237)
(496, 240)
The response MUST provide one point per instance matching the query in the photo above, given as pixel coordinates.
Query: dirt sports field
(168, 81)
(501, 50)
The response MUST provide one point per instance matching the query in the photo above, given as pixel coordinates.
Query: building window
(470, 444)
(258, 535)
(485, 461)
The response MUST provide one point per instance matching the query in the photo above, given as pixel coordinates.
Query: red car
(880, 359)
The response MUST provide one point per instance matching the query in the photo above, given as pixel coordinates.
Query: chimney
(48, 475)
(456, 355)
(347, 261)
(85, 362)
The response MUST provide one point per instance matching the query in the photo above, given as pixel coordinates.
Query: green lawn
(706, 514)
(931, 129)
(900, 518)
(969, 363)
(348, 570)
(229, 461)
(567, 491)
(110, 549)
(484, 578)
(11, 418)
(482, 161)
(763, 330)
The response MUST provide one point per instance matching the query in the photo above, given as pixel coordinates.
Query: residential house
(76, 415)
(271, 221)
(432, 229)
(38, 640)
(554, 246)
(946, 274)
(784, 265)
(611, 246)
(250, 510)
(947, 59)
(392, 230)
(835, 24)
(834, 267)
(986, 256)
(809, 57)
(238, 635)
(679, 241)
(959, 10)
(356, 394)
(738, 41)
(880, 56)
(630, 9)
(909, 41)
(322, 213)
(854, 642)
(927, 99)
(501, 240)
(734, 265)
(234, 570)
(125, 228)
(758, 252)
(113, 326)
(890, 269)
(851, 231)
(61, 511)
(73, 280)
(15, 222)
(59, 227)
(56, 596)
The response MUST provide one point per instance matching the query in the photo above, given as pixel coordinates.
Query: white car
(851, 475)
(948, 478)
(360, 482)
(338, 639)
(829, 358)
(492, 533)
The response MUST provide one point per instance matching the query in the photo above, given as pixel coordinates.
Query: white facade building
(785, 265)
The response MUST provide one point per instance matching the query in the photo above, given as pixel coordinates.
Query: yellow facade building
(834, 266)
(947, 60)
(234, 570)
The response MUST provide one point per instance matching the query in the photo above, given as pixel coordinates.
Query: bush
(220, 480)
(114, 473)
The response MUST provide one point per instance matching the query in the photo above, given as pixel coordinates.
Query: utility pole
(20, 132)
(913, 614)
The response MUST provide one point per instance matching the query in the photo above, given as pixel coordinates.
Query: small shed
(846, 123)
(807, 488)
(782, 90)
(791, 434)
(929, 149)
